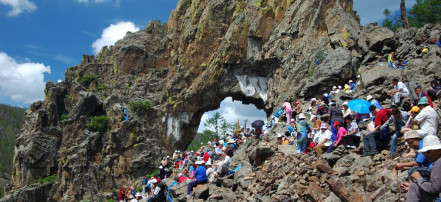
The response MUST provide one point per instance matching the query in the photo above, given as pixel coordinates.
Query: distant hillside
(11, 119)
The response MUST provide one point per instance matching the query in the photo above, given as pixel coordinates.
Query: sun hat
(208, 163)
(154, 181)
(430, 142)
(302, 116)
(279, 134)
(313, 99)
(334, 87)
(411, 134)
(325, 94)
(323, 125)
(339, 87)
(137, 194)
(312, 117)
(345, 103)
(369, 97)
(414, 109)
(358, 76)
(337, 123)
(423, 101)
(198, 162)
(160, 167)
(350, 81)
(292, 120)
(231, 141)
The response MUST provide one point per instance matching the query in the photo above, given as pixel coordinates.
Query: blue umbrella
(359, 106)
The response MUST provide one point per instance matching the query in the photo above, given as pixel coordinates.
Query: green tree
(226, 127)
(387, 22)
(423, 12)
(214, 124)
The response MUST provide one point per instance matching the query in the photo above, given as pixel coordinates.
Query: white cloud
(22, 82)
(112, 34)
(372, 10)
(18, 6)
(87, 2)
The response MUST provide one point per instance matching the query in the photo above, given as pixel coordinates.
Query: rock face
(257, 51)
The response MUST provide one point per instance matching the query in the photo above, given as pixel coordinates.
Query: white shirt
(402, 87)
(320, 136)
(346, 112)
(428, 121)
(210, 174)
(227, 160)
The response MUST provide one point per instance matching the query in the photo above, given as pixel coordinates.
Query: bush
(154, 174)
(88, 79)
(101, 87)
(50, 179)
(63, 117)
(139, 189)
(140, 106)
(98, 124)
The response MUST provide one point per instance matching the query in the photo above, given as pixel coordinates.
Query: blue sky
(39, 39)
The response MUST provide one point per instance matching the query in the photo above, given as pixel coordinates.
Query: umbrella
(359, 106)
(257, 124)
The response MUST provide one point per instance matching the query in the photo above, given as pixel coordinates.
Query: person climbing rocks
(288, 110)
(400, 91)
(390, 60)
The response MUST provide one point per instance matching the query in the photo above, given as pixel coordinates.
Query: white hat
(160, 167)
(279, 135)
(292, 120)
(131, 197)
(137, 194)
(334, 87)
(208, 142)
(265, 133)
(358, 76)
(430, 142)
(231, 141)
(198, 162)
(314, 99)
(339, 87)
(345, 103)
(350, 81)
(312, 116)
(154, 181)
(208, 163)
(325, 94)
(369, 97)
(302, 116)
(176, 151)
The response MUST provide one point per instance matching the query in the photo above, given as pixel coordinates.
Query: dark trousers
(369, 144)
(194, 183)
(351, 140)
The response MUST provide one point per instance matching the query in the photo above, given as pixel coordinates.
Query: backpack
(323, 109)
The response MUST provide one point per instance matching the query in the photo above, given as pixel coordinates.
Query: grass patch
(98, 124)
(88, 79)
(50, 179)
(139, 106)
(153, 174)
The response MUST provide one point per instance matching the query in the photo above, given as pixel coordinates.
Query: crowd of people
(340, 126)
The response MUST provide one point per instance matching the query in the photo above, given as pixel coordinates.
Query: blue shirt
(352, 86)
(200, 173)
(419, 158)
(375, 103)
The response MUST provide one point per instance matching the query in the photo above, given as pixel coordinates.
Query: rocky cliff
(257, 51)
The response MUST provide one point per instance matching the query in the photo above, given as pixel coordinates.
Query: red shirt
(382, 116)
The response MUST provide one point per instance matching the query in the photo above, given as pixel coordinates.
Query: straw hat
(411, 134)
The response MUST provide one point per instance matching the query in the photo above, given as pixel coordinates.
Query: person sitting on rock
(223, 166)
(285, 141)
(434, 88)
(373, 101)
(400, 91)
(334, 114)
(210, 172)
(399, 119)
(315, 125)
(157, 193)
(279, 138)
(390, 60)
(415, 142)
(303, 129)
(427, 119)
(352, 85)
(325, 98)
(352, 138)
(322, 139)
(122, 194)
(334, 91)
(201, 177)
(341, 131)
(312, 105)
(358, 83)
(420, 93)
(347, 88)
(426, 188)
(346, 111)
(369, 143)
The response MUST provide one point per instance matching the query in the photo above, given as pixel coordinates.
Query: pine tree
(423, 12)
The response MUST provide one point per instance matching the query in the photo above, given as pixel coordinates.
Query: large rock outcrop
(257, 51)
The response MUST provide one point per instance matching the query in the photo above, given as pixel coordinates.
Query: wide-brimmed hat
(302, 116)
(345, 103)
(198, 162)
(323, 125)
(231, 141)
(423, 101)
(411, 134)
(339, 87)
(208, 163)
(369, 97)
(154, 181)
(430, 142)
(350, 81)
(414, 109)
(337, 123)
(334, 87)
(312, 117)
(279, 134)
